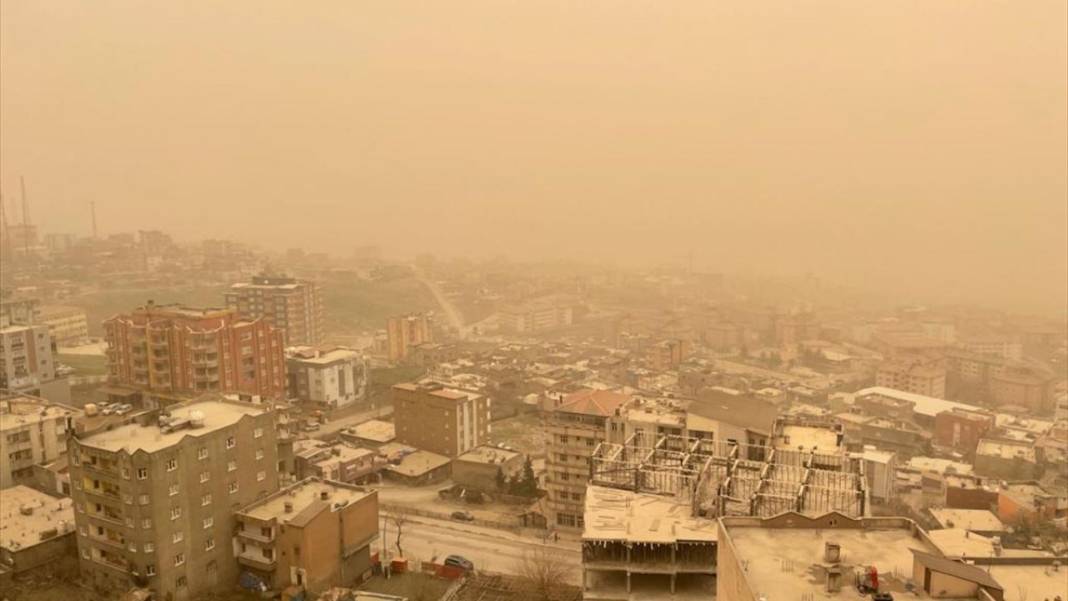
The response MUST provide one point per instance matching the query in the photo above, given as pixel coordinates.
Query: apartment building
(27, 363)
(534, 316)
(32, 431)
(315, 534)
(154, 498)
(1024, 387)
(404, 332)
(332, 376)
(573, 430)
(67, 325)
(925, 376)
(290, 305)
(184, 350)
(994, 346)
(446, 421)
(961, 430)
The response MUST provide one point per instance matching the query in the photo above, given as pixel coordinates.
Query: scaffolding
(731, 479)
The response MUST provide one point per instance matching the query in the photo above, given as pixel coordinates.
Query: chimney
(288, 506)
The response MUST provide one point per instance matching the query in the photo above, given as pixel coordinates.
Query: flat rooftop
(980, 520)
(134, 437)
(1030, 582)
(18, 530)
(784, 563)
(810, 438)
(21, 410)
(321, 356)
(487, 454)
(621, 515)
(411, 461)
(302, 495)
(374, 430)
(1006, 449)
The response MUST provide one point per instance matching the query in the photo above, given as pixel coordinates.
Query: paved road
(450, 310)
(427, 539)
(330, 428)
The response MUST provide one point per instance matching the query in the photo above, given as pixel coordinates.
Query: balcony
(113, 518)
(113, 541)
(101, 491)
(255, 536)
(107, 468)
(111, 561)
(256, 561)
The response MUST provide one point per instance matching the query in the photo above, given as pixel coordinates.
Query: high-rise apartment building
(919, 375)
(406, 331)
(181, 350)
(335, 376)
(68, 326)
(573, 430)
(154, 500)
(32, 431)
(290, 305)
(441, 420)
(27, 362)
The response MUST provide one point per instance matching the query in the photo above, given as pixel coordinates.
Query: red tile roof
(594, 402)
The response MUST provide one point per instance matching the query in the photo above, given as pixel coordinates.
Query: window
(205, 500)
(233, 487)
(82, 531)
(150, 569)
(127, 498)
(209, 544)
(205, 476)
(126, 473)
(142, 473)
(146, 523)
(202, 453)
(143, 500)
(259, 453)
(85, 552)
(261, 476)
(258, 432)
(172, 464)
(129, 522)
(179, 582)
(179, 559)
(149, 547)
(133, 547)
(230, 442)
(173, 490)
(208, 523)
(231, 466)
(177, 537)
(176, 512)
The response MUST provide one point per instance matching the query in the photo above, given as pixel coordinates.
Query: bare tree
(399, 518)
(546, 571)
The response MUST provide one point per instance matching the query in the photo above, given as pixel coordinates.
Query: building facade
(32, 431)
(28, 364)
(335, 377)
(441, 420)
(315, 534)
(176, 349)
(290, 305)
(407, 331)
(154, 499)
(536, 316)
(573, 430)
(68, 325)
(917, 375)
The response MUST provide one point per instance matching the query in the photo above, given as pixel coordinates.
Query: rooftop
(487, 454)
(133, 437)
(321, 355)
(613, 514)
(21, 410)
(924, 405)
(784, 562)
(980, 520)
(301, 496)
(28, 517)
(374, 430)
(409, 461)
(594, 402)
(1006, 449)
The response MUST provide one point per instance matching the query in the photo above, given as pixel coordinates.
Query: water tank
(196, 419)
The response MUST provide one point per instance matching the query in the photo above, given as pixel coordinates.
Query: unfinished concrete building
(652, 504)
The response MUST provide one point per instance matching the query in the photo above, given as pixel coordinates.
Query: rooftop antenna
(25, 218)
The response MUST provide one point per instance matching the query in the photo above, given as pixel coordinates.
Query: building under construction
(651, 507)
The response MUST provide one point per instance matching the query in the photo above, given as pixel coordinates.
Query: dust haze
(882, 144)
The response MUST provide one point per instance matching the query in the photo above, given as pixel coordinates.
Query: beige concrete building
(154, 498)
(32, 431)
(291, 305)
(442, 420)
(28, 364)
(334, 377)
(405, 332)
(925, 376)
(478, 467)
(315, 534)
(573, 430)
(534, 316)
(68, 325)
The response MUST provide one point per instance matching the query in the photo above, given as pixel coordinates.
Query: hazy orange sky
(913, 145)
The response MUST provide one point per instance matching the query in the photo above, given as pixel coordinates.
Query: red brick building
(183, 350)
(961, 430)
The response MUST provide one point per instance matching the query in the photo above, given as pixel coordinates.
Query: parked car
(463, 516)
(124, 409)
(459, 561)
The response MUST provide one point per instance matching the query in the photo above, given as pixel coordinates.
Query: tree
(399, 519)
(546, 571)
(526, 483)
(500, 479)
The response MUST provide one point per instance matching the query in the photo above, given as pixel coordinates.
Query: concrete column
(628, 581)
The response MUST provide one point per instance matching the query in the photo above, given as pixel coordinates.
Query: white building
(27, 363)
(68, 325)
(32, 431)
(335, 377)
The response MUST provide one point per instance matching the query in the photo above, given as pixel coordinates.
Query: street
(429, 539)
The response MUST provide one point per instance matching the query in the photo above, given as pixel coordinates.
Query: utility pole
(25, 218)
(92, 209)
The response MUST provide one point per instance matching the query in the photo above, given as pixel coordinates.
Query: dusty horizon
(919, 146)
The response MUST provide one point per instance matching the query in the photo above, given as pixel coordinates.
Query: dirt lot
(522, 432)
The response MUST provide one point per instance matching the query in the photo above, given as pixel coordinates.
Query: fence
(514, 527)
